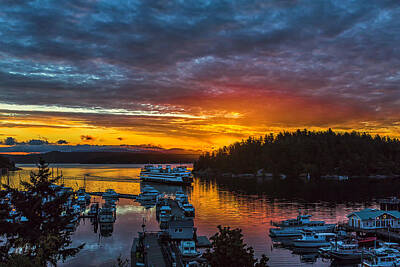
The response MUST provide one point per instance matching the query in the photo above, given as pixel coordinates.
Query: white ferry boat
(178, 175)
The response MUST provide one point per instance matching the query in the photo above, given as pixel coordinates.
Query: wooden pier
(386, 234)
(151, 250)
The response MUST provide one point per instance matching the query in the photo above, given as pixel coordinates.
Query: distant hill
(5, 163)
(105, 157)
(305, 152)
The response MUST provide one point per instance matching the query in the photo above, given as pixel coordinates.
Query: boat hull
(164, 181)
(345, 256)
(296, 231)
(313, 244)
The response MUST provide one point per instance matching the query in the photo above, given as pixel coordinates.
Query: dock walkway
(154, 255)
(386, 234)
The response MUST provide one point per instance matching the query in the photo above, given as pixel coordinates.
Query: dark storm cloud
(129, 53)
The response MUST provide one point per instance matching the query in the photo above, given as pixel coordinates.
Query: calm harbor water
(215, 203)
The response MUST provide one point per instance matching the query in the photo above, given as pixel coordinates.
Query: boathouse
(374, 219)
(181, 229)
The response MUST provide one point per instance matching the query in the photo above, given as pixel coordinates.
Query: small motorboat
(148, 194)
(343, 251)
(381, 257)
(297, 231)
(94, 209)
(188, 210)
(188, 249)
(106, 215)
(311, 239)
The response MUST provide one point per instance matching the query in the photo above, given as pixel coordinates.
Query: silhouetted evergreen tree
(317, 153)
(41, 237)
(229, 249)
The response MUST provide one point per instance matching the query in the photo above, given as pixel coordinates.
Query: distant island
(6, 165)
(306, 153)
(105, 157)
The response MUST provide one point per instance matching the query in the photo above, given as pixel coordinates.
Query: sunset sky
(196, 74)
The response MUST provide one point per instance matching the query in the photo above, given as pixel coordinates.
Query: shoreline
(261, 174)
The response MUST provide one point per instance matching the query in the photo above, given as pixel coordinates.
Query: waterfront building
(374, 219)
(181, 229)
(392, 203)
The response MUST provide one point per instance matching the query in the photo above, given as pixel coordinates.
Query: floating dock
(149, 250)
(384, 234)
(127, 196)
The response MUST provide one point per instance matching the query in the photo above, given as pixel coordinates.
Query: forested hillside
(5, 163)
(317, 153)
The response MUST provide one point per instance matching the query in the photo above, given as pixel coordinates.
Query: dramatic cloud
(191, 72)
(62, 142)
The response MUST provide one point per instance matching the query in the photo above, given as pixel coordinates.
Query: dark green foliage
(43, 238)
(229, 249)
(317, 153)
(5, 163)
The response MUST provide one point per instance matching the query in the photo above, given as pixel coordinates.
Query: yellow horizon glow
(219, 122)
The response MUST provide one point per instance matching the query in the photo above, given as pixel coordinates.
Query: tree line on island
(306, 152)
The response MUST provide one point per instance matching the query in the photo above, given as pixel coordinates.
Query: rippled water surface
(215, 204)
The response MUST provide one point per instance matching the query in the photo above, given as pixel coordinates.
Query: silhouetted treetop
(317, 153)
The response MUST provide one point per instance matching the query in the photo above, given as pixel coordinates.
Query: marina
(163, 213)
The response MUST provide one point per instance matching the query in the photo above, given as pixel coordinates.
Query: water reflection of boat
(309, 258)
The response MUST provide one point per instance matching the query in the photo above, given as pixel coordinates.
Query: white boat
(82, 192)
(148, 194)
(188, 210)
(165, 214)
(181, 197)
(178, 175)
(381, 257)
(343, 251)
(106, 215)
(297, 231)
(311, 239)
(188, 249)
(300, 221)
(94, 209)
